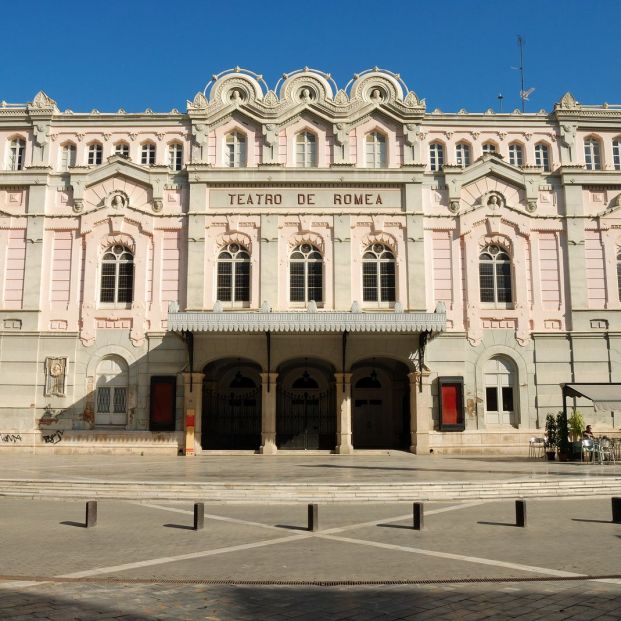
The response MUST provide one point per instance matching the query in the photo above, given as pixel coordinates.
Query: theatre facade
(304, 268)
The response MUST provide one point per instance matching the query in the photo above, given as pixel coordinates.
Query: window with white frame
(516, 155)
(376, 150)
(111, 395)
(95, 154)
(117, 276)
(305, 274)
(68, 156)
(542, 156)
(488, 147)
(122, 149)
(17, 153)
(500, 386)
(592, 154)
(616, 153)
(175, 156)
(235, 150)
(436, 156)
(462, 154)
(495, 275)
(147, 154)
(378, 274)
(233, 274)
(306, 150)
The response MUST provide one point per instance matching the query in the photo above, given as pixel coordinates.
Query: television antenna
(500, 97)
(524, 93)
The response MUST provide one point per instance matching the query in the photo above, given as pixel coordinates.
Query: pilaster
(576, 261)
(192, 409)
(416, 275)
(196, 248)
(421, 404)
(343, 414)
(268, 413)
(342, 262)
(31, 299)
(268, 287)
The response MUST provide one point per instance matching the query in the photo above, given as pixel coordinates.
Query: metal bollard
(417, 516)
(199, 515)
(313, 518)
(91, 514)
(520, 513)
(616, 510)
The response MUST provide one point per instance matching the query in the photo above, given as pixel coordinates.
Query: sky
(139, 54)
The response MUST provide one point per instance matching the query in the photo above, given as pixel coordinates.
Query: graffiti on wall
(10, 438)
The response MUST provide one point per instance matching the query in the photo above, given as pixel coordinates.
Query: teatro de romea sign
(304, 197)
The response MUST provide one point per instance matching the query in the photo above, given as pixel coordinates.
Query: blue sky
(137, 53)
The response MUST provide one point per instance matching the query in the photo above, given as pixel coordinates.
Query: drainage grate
(320, 583)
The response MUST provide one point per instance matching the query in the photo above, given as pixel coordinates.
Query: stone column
(343, 414)
(192, 409)
(421, 404)
(268, 414)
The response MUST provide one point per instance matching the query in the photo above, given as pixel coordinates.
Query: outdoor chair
(588, 449)
(536, 448)
(606, 451)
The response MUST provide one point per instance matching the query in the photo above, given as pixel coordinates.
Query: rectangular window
(242, 281)
(225, 281)
(503, 279)
(296, 275)
(369, 282)
(107, 282)
(315, 281)
(103, 400)
(507, 398)
(491, 399)
(486, 282)
(387, 281)
(126, 282)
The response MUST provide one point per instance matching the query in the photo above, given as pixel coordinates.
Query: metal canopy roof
(306, 321)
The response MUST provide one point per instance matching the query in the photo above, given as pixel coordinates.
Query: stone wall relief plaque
(55, 373)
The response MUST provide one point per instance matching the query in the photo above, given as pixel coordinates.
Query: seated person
(588, 433)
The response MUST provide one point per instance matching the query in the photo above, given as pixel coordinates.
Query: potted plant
(562, 436)
(551, 437)
(576, 428)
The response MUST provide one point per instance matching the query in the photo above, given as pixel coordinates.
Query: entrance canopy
(605, 397)
(310, 321)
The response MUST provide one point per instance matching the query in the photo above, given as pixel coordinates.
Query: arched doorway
(500, 383)
(306, 406)
(380, 405)
(231, 417)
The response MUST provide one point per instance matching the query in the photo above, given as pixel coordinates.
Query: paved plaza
(143, 560)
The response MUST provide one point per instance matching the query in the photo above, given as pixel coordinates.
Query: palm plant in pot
(551, 437)
(576, 428)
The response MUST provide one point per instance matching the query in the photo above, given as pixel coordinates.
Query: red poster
(450, 412)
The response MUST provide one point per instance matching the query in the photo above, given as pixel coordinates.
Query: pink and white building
(304, 268)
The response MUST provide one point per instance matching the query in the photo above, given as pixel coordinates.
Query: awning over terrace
(605, 397)
(310, 321)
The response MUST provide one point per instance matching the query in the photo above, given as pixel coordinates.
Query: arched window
(436, 156)
(306, 274)
(500, 384)
(616, 153)
(117, 275)
(147, 154)
(95, 154)
(592, 154)
(378, 274)
(495, 275)
(234, 274)
(235, 150)
(67, 156)
(489, 147)
(516, 155)
(17, 152)
(542, 156)
(306, 150)
(462, 154)
(122, 149)
(175, 156)
(376, 150)
(112, 383)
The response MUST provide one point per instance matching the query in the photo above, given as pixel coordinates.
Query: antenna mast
(520, 42)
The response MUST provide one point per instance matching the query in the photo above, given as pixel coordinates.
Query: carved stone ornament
(55, 371)
(568, 101)
(78, 205)
(531, 206)
(265, 307)
(41, 100)
(158, 205)
(173, 307)
(454, 207)
(117, 200)
(270, 100)
(200, 101)
(341, 98)
(495, 200)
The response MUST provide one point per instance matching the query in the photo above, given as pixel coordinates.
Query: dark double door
(231, 419)
(306, 420)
